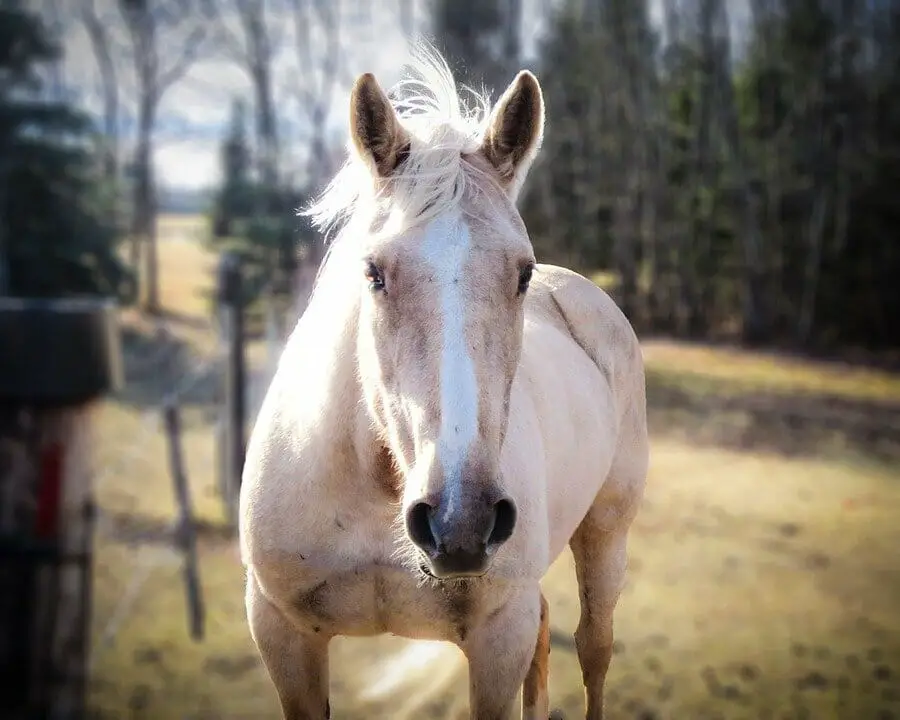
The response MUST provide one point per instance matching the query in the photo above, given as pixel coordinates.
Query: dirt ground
(764, 576)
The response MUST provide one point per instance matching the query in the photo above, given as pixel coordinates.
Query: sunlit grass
(186, 267)
(723, 370)
(727, 370)
(192, 227)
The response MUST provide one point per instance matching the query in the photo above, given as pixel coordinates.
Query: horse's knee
(500, 651)
(296, 661)
(593, 645)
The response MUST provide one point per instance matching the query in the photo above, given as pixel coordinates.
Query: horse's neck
(321, 359)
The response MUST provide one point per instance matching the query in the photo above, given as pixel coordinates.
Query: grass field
(764, 578)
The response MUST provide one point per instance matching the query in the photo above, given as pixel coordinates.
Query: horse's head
(444, 269)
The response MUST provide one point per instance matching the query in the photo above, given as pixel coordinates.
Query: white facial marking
(445, 248)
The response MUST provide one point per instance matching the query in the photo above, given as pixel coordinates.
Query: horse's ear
(515, 130)
(375, 129)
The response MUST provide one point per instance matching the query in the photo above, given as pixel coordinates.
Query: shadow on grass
(790, 424)
(132, 528)
(187, 320)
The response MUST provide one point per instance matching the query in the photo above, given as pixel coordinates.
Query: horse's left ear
(515, 130)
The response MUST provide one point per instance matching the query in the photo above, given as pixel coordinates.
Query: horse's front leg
(500, 650)
(297, 661)
(600, 564)
(535, 691)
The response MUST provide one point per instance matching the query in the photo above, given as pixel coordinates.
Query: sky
(194, 111)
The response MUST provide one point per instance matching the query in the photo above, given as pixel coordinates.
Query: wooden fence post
(186, 528)
(233, 409)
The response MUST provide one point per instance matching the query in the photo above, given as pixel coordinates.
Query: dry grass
(727, 370)
(760, 586)
(185, 267)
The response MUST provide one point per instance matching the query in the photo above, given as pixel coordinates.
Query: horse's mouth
(426, 569)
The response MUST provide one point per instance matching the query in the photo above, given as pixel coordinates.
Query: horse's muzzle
(458, 546)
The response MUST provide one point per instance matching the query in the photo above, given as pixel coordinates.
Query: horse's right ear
(378, 137)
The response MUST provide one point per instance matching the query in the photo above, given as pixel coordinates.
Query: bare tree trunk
(755, 321)
(625, 241)
(663, 295)
(266, 127)
(630, 44)
(144, 226)
(697, 243)
(5, 280)
(142, 28)
(252, 14)
(759, 319)
(815, 239)
(98, 35)
(316, 96)
(254, 51)
(147, 24)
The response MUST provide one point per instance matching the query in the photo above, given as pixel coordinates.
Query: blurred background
(729, 170)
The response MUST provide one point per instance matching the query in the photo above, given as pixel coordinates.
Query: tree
(473, 35)
(565, 206)
(156, 29)
(253, 47)
(235, 199)
(591, 200)
(750, 194)
(57, 231)
(820, 114)
(236, 219)
(253, 34)
(97, 25)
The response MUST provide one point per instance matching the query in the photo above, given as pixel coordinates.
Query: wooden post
(186, 529)
(233, 410)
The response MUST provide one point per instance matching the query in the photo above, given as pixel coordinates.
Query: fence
(49, 520)
(236, 393)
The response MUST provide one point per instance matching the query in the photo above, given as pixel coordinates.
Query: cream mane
(442, 126)
(433, 178)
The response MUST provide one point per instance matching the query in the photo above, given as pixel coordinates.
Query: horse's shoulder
(591, 317)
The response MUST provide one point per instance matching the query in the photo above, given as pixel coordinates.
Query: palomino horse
(442, 423)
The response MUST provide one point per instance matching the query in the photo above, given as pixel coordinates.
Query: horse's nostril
(418, 525)
(504, 522)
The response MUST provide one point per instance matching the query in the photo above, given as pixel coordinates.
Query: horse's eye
(374, 276)
(525, 278)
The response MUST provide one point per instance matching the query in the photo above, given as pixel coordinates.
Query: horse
(447, 414)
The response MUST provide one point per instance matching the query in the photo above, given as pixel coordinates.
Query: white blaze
(445, 248)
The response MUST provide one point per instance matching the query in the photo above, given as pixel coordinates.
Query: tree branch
(190, 51)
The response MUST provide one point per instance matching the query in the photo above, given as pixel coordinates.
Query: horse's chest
(336, 572)
(379, 599)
